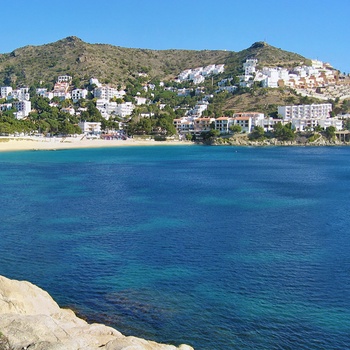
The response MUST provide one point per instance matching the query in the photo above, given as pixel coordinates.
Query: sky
(316, 29)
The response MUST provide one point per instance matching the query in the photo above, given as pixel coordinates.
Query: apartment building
(79, 94)
(23, 108)
(223, 124)
(202, 125)
(124, 109)
(5, 91)
(92, 128)
(313, 111)
(64, 79)
(107, 93)
(304, 124)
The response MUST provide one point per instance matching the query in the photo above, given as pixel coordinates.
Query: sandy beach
(45, 143)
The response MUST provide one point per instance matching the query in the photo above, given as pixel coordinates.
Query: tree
(67, 128)
(210, 135)
(189, 137)
(318, 128)
(165, 123)
(283, 132)
(258, 133)
(347, 124)
(236, 128)
(330, 132)
(41, 104)
(6, 128)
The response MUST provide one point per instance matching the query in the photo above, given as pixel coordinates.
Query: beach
(58, 143)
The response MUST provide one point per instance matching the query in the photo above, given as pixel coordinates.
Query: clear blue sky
(316, 29)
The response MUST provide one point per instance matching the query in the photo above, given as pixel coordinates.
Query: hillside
(264, 100)
(112, 64)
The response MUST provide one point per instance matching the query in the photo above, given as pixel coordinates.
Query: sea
(217, 247)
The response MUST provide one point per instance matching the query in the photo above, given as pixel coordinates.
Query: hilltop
(116, 65)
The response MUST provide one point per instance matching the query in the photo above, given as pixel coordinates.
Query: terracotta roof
(223, 118)
(241, 118)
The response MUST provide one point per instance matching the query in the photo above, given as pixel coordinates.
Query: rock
(31, 319)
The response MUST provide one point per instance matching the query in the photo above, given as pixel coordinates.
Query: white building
(223, 124)
(202, 125)
(90, 128)
(219, 68)
(64, 79)
(268, 123)
(94, 81)
(193, 125)
(199, 108)
(197, 79)
(337, 123)
(20, 94)
(313, 111)
(79, 94)
(23, 108)
(317, 64)
(197, 75)
(48, 94)
(124, 109)
(140, 100)
(107, 93)
(184, 125)
(184, 75)
(208, 70)
(106, 107)
(195, 72)
(5, 107)
(310, 123)
(61, 94)
(249, 66)
(5, 91)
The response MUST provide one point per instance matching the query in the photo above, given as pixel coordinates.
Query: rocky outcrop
(300, 141)
(31, 319)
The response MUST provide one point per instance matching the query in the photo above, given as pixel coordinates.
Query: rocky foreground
(31, 319)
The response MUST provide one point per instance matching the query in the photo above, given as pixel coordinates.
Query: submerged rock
(31, 319)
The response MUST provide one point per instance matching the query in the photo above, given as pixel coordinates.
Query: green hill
(116, 65)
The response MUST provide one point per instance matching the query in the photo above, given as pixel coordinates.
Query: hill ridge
(114, 64)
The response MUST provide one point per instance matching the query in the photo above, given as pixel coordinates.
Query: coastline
(243, 140)
(9, 144)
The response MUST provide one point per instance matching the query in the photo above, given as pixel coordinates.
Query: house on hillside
(78, 94)
(23, 108)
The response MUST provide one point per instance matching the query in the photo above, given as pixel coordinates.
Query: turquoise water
(216, 247)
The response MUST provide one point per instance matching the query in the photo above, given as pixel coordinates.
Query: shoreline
(10, 144)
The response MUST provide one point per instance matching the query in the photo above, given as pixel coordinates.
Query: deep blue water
(216, 247)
